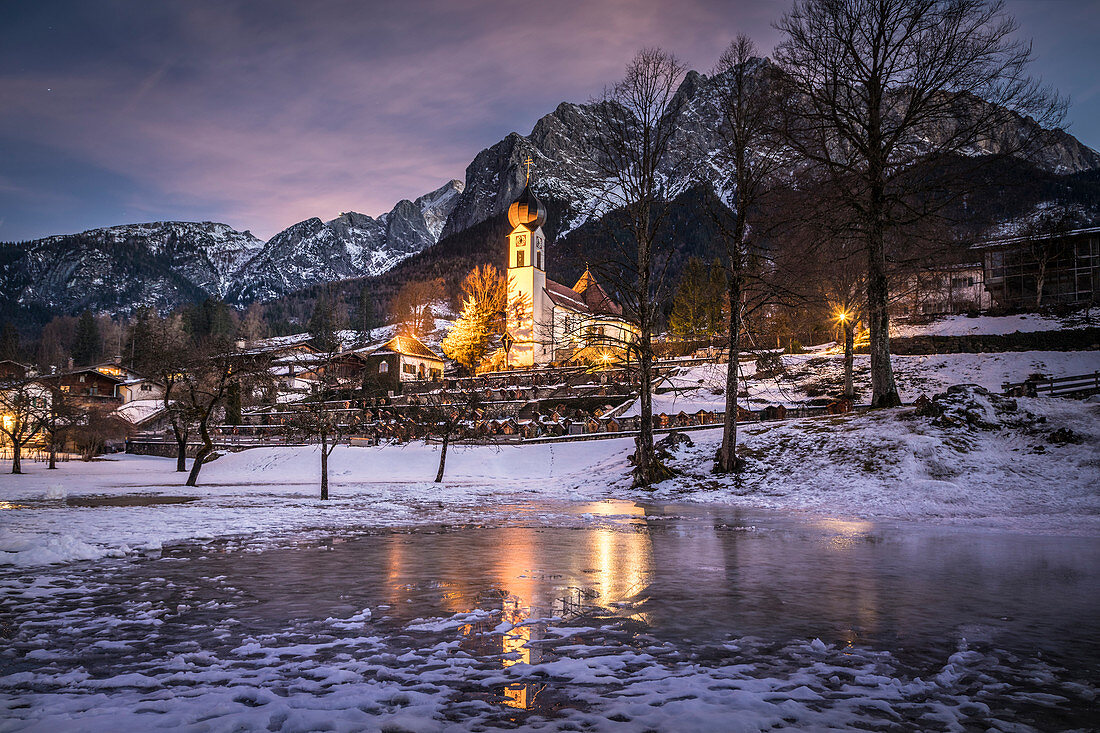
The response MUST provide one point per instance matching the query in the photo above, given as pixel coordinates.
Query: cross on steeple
(528, 163)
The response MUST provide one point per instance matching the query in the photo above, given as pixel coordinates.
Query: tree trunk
(1040, 278)
(849, 349)
(16, 463)
(442, 458)
(643, 453)
(53, 455)
(181, 449)
(884, 392)
(205, 449)
(727, 455)
(324, 467)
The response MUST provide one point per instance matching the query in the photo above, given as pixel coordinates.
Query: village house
(1066, 264)
(402, 359)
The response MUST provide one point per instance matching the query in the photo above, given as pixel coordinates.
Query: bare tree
(164, 356)
(23, 402)
(412, 306)
(1048, 244)
(447, 413)
(885, 93)
(60, 416)
(321, 414)
(748, 104)
(635, 122)
(217, 369)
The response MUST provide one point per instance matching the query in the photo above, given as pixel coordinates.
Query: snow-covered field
(993, 325)
(888, 464)
(809, 376)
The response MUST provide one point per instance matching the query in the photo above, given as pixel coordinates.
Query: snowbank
(1031, 464)
(990, 325)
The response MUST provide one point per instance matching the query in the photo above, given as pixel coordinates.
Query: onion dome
(527, 210)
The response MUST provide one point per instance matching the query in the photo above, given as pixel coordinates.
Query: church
(546, 320)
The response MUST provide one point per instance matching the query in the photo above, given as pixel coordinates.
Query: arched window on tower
(538, 260)
(519, 258)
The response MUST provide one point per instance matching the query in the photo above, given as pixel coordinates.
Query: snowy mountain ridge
(562, 144)
(162, 265)
(351, 245)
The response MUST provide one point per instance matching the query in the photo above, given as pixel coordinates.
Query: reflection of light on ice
(622, 561)
(862, 601)
(613, 508)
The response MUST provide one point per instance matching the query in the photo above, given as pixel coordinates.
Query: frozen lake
(657, 617)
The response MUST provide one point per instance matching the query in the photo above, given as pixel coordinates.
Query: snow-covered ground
(887, 464)
(993, 325)
(809, 376)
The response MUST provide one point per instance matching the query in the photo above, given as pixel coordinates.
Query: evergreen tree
(697, 306)
(9, 342)
(364, 314)
(468, 340)
(253, 327)
(324, 323)
(89, 344)
(139, 337)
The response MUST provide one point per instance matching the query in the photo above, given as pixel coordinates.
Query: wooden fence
(1075, 386)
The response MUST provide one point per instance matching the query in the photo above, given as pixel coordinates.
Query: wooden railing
(1080, 384)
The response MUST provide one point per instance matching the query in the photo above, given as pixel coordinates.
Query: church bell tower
(527, 309)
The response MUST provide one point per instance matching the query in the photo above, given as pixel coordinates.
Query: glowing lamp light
(842, 316)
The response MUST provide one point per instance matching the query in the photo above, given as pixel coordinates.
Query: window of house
(408, 368)
(519, 258)
(383, 367)
(81, 377)
(146, 388)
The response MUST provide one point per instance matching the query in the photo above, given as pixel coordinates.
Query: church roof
(586, 296)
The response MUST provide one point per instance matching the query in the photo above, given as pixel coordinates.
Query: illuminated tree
(468, 341)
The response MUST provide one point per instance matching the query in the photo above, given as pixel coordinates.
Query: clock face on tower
(521, 239)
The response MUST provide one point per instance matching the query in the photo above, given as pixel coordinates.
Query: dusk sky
(261, 114)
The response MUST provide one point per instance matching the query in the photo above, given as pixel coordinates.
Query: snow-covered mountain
(562, 146)
(165, 264)
(351, 245)
(119, 269)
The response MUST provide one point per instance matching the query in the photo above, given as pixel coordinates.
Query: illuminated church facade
(546, 320)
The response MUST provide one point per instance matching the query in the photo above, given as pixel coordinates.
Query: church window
(519, 259)
(383, 367)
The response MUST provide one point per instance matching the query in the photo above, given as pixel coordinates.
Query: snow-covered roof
(140, 411)
(1018, 239)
